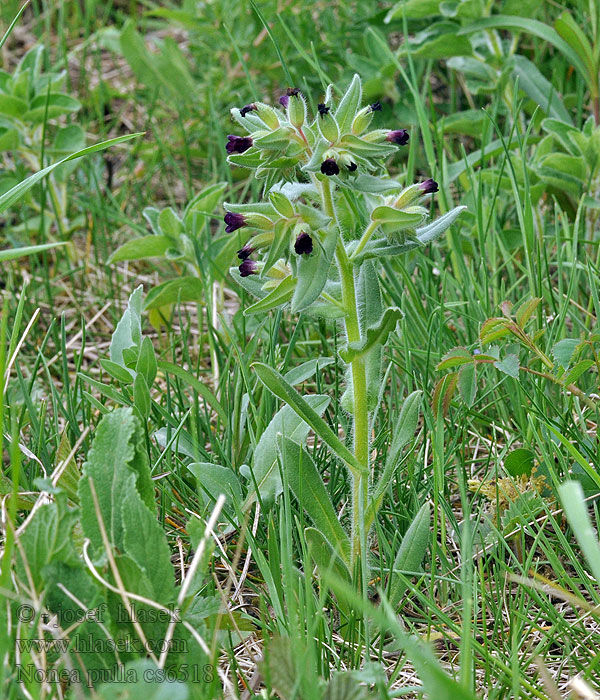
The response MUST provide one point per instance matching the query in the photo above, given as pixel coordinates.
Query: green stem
(365, 238)
(360, 488)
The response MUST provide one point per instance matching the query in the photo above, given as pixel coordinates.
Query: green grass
(496, 609)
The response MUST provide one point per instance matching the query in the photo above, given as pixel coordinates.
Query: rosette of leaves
(330, 215)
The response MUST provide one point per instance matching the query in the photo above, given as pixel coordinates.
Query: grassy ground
(504, 595)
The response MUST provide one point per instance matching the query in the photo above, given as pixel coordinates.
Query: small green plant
(330, 216)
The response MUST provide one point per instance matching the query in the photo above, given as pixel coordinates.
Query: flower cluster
(298, 159)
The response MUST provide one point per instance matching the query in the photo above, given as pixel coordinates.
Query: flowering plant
(330, 212)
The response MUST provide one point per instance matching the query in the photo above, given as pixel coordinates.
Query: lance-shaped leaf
(277, 297)
(308, 487)
(405, 429)
(265, 467)
(327, 561)
(374, 335)
(182, 289)
(411, 552)
(140, 248)
(349, 104)
(280, 388)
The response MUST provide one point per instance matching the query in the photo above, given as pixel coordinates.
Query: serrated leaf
(573, 375)
(509, 365)
(343, 686)
(454, 358)
(526, 310)
(493, 329)
(308, 487)
(564, 350)
(374, 335)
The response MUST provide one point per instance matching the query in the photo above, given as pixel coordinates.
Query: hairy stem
(360, 489)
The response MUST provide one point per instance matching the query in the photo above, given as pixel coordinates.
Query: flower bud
(238, 144)
(268, 115)
(296, 109)
(303, 244)
(328, 125)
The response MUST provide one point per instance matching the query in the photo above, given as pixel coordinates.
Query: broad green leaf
(116, 371)
(308, 487)
(411, 552)
(181, 290)
(128, 333)
(69, 477)
(146, 362)
(140, 248)
(265, 466)
(537, 88)
(519, 462)
(145, 542)
(216, 480)
(375, 335)
(17, 192)
(145, 682)
(206, 201)
(325, 558)
(388, 215)
(444, 46)
(50, 106)
(344, 686)
(571, 32)
(141, 396)
(280, 388)
(116, 463)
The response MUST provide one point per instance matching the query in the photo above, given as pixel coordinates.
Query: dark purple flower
(429, 186)
(245, 252)
(399, 137)
(234, 221)
(303, 244)
(330, 167)
(375, 107)
(247, 108)
(238, 144)
(285, 99)
(352, 167)
(248, 267)
(323, 109)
